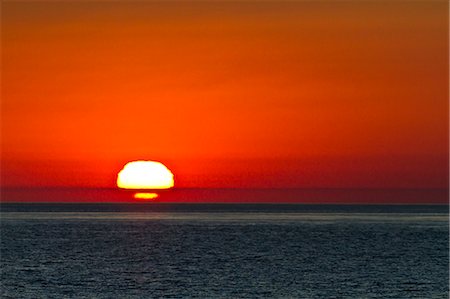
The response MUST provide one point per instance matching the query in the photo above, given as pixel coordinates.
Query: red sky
(226, 94)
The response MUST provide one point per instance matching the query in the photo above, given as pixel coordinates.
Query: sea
(175, 250)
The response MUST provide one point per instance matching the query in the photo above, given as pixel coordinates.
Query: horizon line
(214, 188)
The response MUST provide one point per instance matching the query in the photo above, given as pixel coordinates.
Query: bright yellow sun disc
(145, 175)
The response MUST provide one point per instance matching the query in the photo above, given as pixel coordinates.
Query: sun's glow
(145, 175)
(144, 195)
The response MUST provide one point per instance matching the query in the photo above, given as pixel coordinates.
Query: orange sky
(226, 94)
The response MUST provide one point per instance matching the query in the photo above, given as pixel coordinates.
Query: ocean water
(223, 251)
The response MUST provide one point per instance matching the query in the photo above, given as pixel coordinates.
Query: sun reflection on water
(145, 195)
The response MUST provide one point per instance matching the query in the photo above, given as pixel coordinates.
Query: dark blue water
(223, 251)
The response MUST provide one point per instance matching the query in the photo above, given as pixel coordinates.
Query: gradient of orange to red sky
(226, 94)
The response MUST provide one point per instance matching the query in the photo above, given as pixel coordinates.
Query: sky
(297, 94)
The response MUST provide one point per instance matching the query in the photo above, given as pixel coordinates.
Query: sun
(145, 175)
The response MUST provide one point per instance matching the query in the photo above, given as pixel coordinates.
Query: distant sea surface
(155, 250)
(232, 195)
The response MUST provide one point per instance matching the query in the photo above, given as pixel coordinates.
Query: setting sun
(145, 175)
